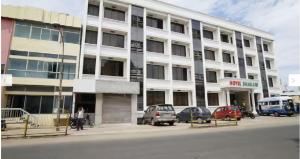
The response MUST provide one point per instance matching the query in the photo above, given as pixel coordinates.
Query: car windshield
(165, 108)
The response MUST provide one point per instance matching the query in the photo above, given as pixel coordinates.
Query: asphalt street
(280, 142)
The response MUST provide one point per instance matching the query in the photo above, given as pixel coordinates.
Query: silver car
(158, 114)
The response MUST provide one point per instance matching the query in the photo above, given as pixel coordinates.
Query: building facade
(32, 51)
(136, 53)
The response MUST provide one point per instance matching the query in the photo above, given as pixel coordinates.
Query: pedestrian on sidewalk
(80, 118)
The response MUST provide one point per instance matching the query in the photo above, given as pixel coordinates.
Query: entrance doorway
(240, 98)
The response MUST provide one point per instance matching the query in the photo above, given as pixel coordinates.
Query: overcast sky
(279, 17)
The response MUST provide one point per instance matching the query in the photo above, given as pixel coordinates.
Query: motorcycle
(248, 114)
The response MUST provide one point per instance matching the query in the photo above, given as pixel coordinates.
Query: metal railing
(18, 115)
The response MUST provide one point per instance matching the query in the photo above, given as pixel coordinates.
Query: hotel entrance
(241, 98)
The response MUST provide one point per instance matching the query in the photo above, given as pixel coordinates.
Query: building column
(98, 109)
(253, 103)
(228, 97)
(73, 104)
(133, 109)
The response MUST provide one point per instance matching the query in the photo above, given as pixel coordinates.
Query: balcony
(212, 64)
(181, 60)
(228, 46)
(156, 32)
(272, 72)
(157, 57)
(90, 49)
(275, 90)
(269, 55)
(92, 20)
(230, 66)
(252, 69)
(210, 43)
(112, 24)
(157, 84)
(180, 37)
(110, 51)
(213, 87)
(250, 51)
(183, 85)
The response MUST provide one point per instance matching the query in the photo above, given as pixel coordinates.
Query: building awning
(239, 83)
(102, 86)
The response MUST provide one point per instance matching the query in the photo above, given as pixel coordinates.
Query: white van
(276, 106)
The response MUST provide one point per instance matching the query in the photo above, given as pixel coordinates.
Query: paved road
(261, 143)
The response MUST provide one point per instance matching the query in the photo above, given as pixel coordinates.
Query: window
(266, 48)
(208, 34)
(22, 30)
(33, 104)
(224, 38)
(155, 97)
(36, 33)
(270, 79)
(18, 64)
(196, 34)
(113, 40)
(54, 35)
(249, 61)
(91, 37)
(209, 55)
(179, 50)
(112, 68)
(45, 34)
(137, 21)
(175, 27)
(89, 65)
(274, 102)
(226, 57)
(213, 99)
(155, 22)
(246, 43)
(179, 73)
(47, 105)
(268, 63)
(136, 46)
(18, 53)
(93, 10)
(69, 70)
(155, 46)
(227, 74)
(250, 77)
(114, 14)
(155, 71)
(180, 99)
(71, 37)
(211, 76)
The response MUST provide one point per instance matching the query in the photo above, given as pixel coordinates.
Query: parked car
(227, 112)
(158, 114)
(199, 113)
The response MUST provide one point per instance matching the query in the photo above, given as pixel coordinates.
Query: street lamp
(61, 68)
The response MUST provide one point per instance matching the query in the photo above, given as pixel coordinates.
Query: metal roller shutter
(116, 108)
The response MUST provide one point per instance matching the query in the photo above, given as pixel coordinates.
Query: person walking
(80, 119)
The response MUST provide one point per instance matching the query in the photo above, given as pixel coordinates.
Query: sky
(279, 17)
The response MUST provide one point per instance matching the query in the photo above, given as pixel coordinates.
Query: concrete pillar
(228, 97)
(73, 104)
(134, 114)
(253, 103)
(98, 109)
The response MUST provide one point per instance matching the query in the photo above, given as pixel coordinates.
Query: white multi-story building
(136, 53)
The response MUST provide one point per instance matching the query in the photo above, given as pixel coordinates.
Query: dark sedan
(200, 114)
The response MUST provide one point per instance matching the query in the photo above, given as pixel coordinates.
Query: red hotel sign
(238, 83)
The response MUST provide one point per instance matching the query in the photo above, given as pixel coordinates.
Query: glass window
(196, 34)
(155, 97)
(211, 76)
(89, 65)
(114, 14)
(213, 99)
(249, 61)
(112, 68)
(180, 98)
(54, 35)
(93, 10)
(176, 27)
(155, 22)
(179, 73)
(155, 71)
(36, 33)
(18, 64)
(179, 50)
(274, 102)
(270, 82)
(226, 57)
(246, 43)
(113, 40)
(68, 102)
(32, 65)
(70, 37)
(266, 48)
(208, 34)
(22, 30)
(268, 64)
(137, 21)
(91, 37)
(209, 54)
(33, 104)
(165, 108)
(19, 53)
(250, 77)
(47, 105)
(45, 34)
(155, 46)
(227, 74)
(224, 38)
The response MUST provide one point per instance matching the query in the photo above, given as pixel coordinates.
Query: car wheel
(208, 121)
(276, 114)
(153, 123)
(178, 120)
(227, 118)
(171, 123)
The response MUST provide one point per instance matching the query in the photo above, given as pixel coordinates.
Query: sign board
(6, 80)
(294, 80)
(239, 83)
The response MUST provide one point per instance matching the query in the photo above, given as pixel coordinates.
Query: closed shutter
(116, 108)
